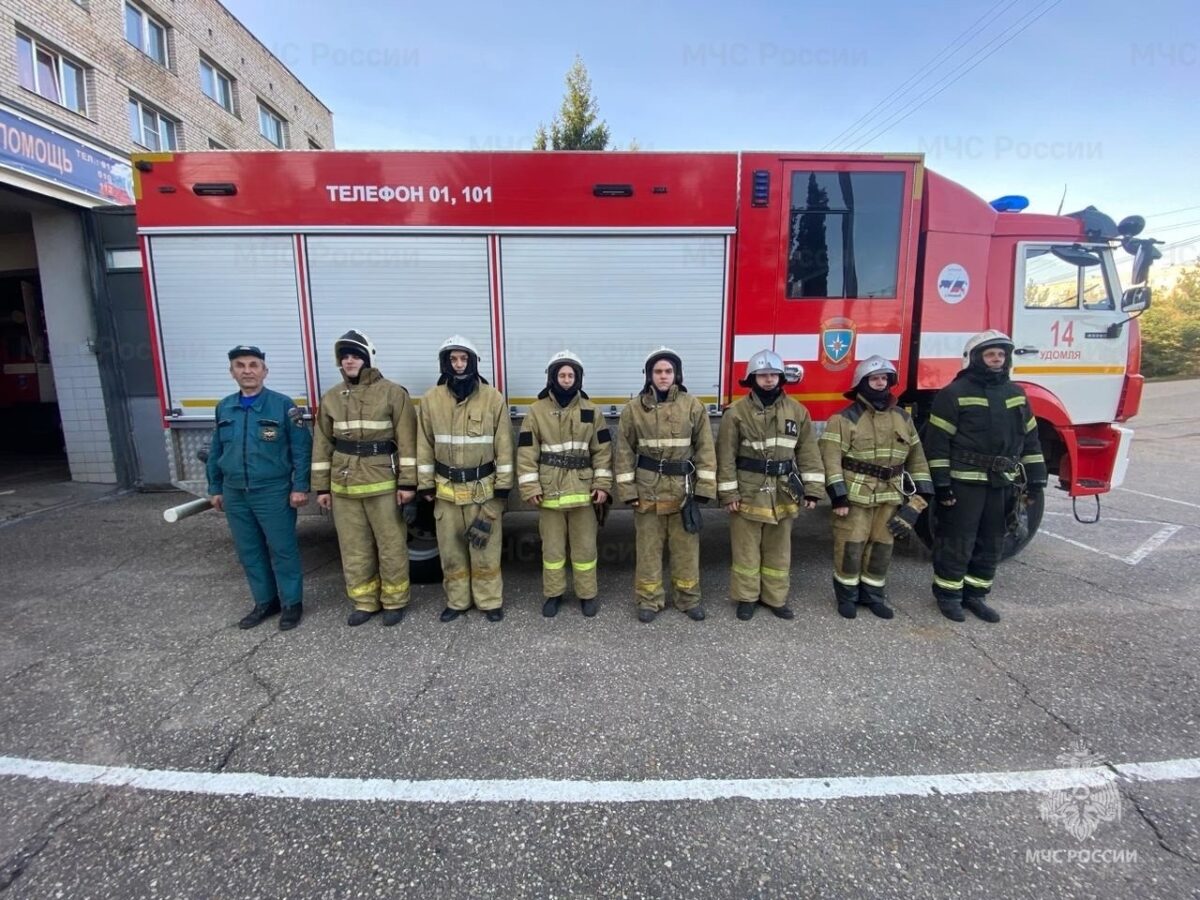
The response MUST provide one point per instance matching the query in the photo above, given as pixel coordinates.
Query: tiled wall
(66, 294)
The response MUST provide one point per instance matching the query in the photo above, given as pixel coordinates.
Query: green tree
(1171, 329)
(575, 127)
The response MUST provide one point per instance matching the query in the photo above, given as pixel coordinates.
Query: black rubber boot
(696, 613)
(392, 617)
(647, 615)
(782, 612)
(952, 610)
(874, 599)
(591, 606)
(449, 614)
(981, 609)
(494, 615)
(257, 615)
(291, 616)
(847, 599)
(745, 609)
(358, 617)
(550, 607)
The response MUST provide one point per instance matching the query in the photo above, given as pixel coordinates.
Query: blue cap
(247, 350)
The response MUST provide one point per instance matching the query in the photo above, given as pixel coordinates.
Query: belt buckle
(661, 462)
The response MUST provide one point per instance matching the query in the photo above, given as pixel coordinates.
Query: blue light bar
(1010, 203)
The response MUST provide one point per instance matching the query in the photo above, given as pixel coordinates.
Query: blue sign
(837, 343)
(50, 155)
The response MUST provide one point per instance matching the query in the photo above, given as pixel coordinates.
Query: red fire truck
(827, 259)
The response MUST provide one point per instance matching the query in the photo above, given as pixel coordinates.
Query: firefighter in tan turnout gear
(665, 464)
(564, 465)
(365, 468)
(768, 466)
(867, 448)
(465, 466)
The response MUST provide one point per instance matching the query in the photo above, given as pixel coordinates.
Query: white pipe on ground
(183, 510)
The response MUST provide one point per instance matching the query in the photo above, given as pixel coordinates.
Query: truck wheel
(1014, 541)
(424, 562)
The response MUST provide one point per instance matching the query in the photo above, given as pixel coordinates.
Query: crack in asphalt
(72, 811)
(435, 672)
(273, 692)
(1126, 792)
(1105, 588)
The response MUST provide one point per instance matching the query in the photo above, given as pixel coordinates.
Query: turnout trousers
(576, 527)
(862, 552)
(652, 533)
(264, 532)
(762, 559)
(468, 574)
(969, 540)
(373, 540)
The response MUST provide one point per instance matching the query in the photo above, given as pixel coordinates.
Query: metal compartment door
(407, 293)
(612, 299)
(212, 293)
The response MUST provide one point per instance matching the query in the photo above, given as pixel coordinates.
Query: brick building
(83, 83)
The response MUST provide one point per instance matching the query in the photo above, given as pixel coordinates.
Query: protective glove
(480, 532)
(409, 512)
(905, 519)
(838, 501)
(1033, 494)
(945, 495)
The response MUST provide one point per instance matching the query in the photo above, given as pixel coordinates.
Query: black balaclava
(981, 373)
(674, 360)
(358, 353)
(767, 396)
(461, 386)
(880, 400)
(563, 396)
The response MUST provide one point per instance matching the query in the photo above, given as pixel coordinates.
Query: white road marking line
(1157, 540)
(6, 493)
(538, 790)
(1156, 497)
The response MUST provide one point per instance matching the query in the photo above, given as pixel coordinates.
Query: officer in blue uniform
(258, 475)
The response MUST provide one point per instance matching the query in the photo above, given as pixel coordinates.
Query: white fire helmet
(875, 365)
(764, 362)
(565, 356)
(457, 342)
(354, 340)
(984, 340)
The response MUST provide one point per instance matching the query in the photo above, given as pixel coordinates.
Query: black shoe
(358, 617)
(494, 615)
(591, 606)
(696, 613)
(880, 609)
(782, 612)
(745, 609)
(550, 607)
(981, 609)
(258, 614)
(392, 617)
(847, 609)
(952, 610)
(647, 615)
(449, 614)
(291, 616)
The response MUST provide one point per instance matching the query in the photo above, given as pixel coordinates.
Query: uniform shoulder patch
(790, 428)
(852, 413)
(587, 415)
(603, 435)
(525, 439)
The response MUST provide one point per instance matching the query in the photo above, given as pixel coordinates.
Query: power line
(1171, 211)
(1176, 226)
(957, 74)
(954, 47)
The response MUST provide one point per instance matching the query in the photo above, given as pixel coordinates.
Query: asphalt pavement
(604, 757)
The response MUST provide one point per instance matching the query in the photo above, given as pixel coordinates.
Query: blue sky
(1100, 97)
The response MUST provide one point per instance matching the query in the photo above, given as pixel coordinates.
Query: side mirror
(1136, 299)
(793, 373)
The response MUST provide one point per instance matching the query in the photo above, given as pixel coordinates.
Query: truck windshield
(1052, 282)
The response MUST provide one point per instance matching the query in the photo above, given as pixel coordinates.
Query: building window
(49, 73)
(216, 145)
(146, 33)
(216, 84)
(313, 145)
(271, 125)
(151, 128)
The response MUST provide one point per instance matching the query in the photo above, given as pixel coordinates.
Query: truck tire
(1014, 542)
(424, 562)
